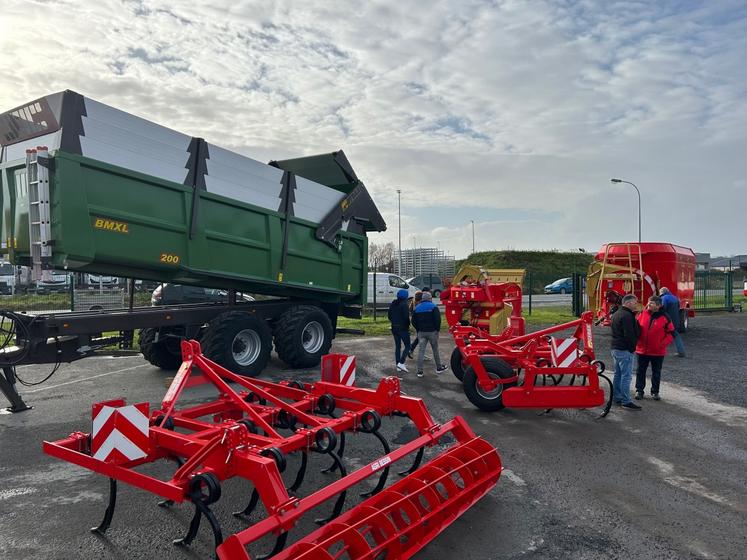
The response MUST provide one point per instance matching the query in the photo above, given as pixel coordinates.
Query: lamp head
(616, 180)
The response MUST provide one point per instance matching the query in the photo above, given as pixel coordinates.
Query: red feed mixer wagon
(641, 269)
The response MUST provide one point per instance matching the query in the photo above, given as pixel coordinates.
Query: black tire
(303, 334)
(165, 353)
(562, 291)
(457, 365)
(484, 401)
(436, 293)
(684, 321)
(238, 341)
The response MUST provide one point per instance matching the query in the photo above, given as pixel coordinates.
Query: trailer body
(90, 189)
(641, 269)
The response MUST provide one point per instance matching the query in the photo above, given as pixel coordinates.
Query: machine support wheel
(303, 334)
(238, 341)
(482, 399)
(457, 364)
(165, 352)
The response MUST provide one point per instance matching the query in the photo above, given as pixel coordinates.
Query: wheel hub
(312, 337)
(246, 347)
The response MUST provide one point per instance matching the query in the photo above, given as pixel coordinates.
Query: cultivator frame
(491, 365)
(243, 439)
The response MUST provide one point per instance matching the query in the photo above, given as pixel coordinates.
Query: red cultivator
(239, 435)
(504, 370)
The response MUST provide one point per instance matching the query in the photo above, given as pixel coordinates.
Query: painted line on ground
(86, 379)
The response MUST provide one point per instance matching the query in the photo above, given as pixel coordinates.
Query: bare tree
(381, 258)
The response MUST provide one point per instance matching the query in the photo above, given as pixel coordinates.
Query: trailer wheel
(482, 399)
(684, 321)
(457, 364)
(303, 334)
(165, 353)
(239, 342)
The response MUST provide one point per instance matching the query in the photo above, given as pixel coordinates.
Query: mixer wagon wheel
(684, 321)
(457, 364)
(482, 399)
(166, 352)
(303, 334)
(238, 341)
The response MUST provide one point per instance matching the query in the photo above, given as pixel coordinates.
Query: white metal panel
(136, 125)
(264, 194)
(224, 163)
(98, 131)
(116, 155)
(18, 151)
(314, 201)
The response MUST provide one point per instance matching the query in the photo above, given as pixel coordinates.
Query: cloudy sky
(514, 114)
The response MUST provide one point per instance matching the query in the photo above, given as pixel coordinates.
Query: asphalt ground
(669, 482)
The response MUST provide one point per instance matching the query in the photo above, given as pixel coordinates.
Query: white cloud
(530, 106)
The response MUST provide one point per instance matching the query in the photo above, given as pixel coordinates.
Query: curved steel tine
(415, 463)
(194, 526)
(301, 472)
(385, 473)
(109, 513)
(214, 525)
(253, 500)
(607, 406)
(279, 545)
(341, 452)
(341, 499)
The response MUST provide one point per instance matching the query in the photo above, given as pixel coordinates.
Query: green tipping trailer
(89, 188)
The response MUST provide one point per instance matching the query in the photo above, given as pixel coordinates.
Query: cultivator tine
(301, 472)
(415, 463)
(385, 473)
(337, 509)
(109, 513)
(340, 453)
(279, 546)
(253, 501)
(608, 404)
(194, 526)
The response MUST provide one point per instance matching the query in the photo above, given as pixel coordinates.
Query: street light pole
(399, 226)
(639, 203)
(473, 236)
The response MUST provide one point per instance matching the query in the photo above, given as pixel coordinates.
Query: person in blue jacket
(399, 317)
(427, 322)
(670, 303)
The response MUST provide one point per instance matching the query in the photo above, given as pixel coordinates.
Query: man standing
(399, 317)
(656, 334)
(427, 322)
(625, 333)
(671, 305)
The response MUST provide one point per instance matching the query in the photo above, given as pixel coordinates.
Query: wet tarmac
(669, 482)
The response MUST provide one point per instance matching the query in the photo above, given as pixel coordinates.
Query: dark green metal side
(114, 221)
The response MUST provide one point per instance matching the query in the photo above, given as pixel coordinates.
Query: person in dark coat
(625, 332)
(399, 317)
(671, 305)
(656, 335)
(427, 322)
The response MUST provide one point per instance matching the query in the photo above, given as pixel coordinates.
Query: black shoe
(618, 403)
(441, 368)
(680, 354)
(631, 406)
(656, 396)
(638, 395)
(409, 355)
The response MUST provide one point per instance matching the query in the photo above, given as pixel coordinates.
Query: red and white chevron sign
(563, 351)
(338, 368)
(120, 431)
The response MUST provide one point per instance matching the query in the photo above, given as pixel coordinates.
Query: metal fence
(719, 291)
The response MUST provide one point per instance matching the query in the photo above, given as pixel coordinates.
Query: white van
(7, 278)
(387, 286)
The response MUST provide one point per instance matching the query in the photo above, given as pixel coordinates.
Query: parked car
(173, 294)
(94, 281)
(560, 286)
(59, 283)
(7, 278)
(387, 286)
(432, 281)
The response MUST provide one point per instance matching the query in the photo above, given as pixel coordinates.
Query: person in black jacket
(625, 333)
(427, 322)
(399, 317)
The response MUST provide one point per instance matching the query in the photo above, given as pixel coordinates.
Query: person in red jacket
(656, 334)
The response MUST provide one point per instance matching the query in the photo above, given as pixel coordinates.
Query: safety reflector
(339, 368)
(563, 351)
(120, 432)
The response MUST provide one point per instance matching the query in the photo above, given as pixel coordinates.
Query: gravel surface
(669, 482)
